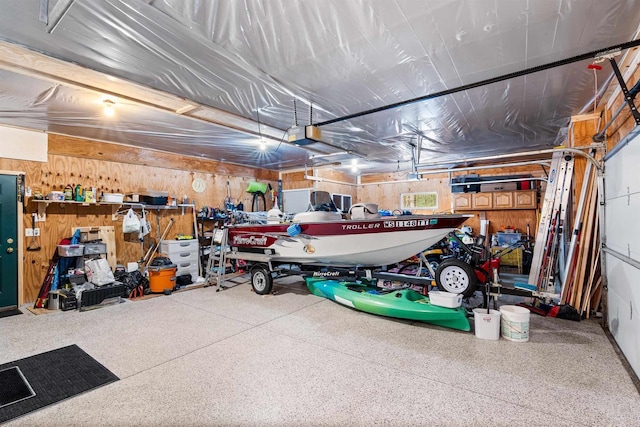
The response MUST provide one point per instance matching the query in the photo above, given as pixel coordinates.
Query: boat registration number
(409, 223)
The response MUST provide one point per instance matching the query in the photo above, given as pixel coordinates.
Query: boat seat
(364, 211)
(317, 216)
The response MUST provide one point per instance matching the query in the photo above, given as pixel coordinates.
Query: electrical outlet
(28, 232)
(36, 232)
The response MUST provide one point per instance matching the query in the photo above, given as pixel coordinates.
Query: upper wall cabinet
(496, 200)
(503, 199)
(462, 201)
(524, 199)
(482, 201)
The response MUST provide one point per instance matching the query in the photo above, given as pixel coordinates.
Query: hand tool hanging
(33, 244)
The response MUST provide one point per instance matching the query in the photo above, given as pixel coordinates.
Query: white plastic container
(58, 196)
(445, 299)
(274, 216)
(112, 197)
(515, 323)
(487, 325)
(70, 250)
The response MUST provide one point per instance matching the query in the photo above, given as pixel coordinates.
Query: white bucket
(515, 323)
(487, 325)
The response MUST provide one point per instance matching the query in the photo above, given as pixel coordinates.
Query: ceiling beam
(26, 62)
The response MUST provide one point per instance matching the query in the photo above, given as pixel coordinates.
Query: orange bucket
(162, 278)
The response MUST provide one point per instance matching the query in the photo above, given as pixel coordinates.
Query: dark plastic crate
(97, 295)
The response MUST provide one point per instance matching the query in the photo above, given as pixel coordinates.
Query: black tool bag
(184, 280)
(132, 281)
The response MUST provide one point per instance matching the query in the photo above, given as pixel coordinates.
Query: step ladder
(551, 230)
(216, 264)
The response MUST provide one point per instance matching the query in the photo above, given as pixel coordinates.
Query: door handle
(9, 250)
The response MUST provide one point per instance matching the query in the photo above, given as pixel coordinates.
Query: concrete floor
(203, 357)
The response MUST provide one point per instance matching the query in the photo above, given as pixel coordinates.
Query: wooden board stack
(582, 287)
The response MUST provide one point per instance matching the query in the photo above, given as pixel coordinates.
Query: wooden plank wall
(328, 180)
(386, 193)
(624, 123)
(117, 168)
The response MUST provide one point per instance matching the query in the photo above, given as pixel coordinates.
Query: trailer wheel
(457, 277)
(261, 280)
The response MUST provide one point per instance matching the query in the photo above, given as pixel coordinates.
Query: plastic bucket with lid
(487, 325)
(162, 278)
(515, 323)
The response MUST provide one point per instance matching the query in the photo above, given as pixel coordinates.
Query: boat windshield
(322, 201)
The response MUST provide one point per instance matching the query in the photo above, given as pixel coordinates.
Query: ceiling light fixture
(108, 109)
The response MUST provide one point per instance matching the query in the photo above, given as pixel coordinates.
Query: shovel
(33, 245)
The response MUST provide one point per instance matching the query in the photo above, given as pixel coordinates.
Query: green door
(8, 241)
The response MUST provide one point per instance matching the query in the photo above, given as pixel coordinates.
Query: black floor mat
(54, 376)
(13, 387)
(11, 312)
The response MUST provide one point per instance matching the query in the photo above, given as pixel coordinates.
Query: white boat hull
(372, 242)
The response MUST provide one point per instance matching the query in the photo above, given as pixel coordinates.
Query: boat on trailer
(322, 238)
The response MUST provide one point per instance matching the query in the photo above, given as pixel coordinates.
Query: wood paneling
(624, 123)
(387, 195)
(295, 181)
(122, 175)
(76, 147)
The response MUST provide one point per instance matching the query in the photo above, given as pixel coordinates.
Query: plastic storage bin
(95, 248)
(70, 250)
(445, 299)
(506, 239)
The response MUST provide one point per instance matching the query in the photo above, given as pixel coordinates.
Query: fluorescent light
(108, 109)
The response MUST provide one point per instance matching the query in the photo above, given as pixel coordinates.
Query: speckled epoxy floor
(203, 357)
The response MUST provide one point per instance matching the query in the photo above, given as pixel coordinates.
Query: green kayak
(399, 303)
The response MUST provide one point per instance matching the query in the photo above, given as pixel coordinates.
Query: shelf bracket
(42, 212)
(114, 212)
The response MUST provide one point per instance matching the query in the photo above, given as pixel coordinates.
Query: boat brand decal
(368, 226)
(250, 240)
(326, 273)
